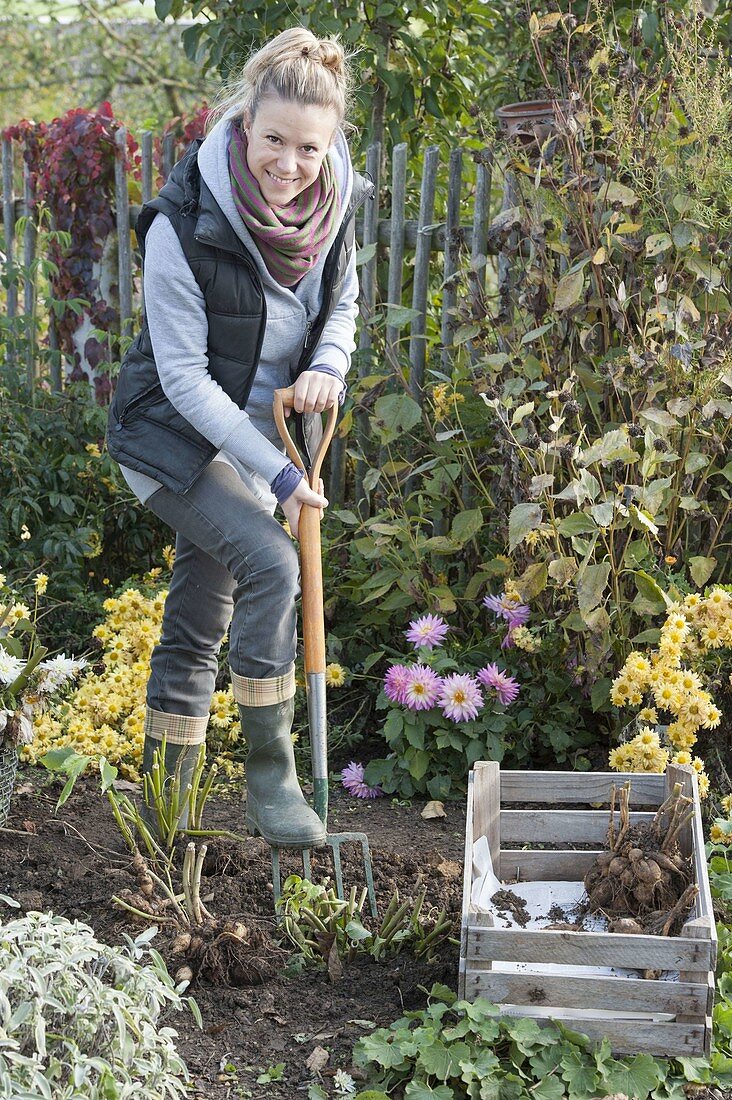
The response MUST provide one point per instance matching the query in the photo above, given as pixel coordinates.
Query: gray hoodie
(176, 315)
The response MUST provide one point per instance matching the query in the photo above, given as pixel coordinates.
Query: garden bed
(74, 861)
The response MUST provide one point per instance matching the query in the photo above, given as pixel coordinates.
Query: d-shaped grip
(285, 399)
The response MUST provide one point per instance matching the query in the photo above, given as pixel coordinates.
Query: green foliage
(82, 1019)
(458, 1049)
(82, 519)
(420, 68)
(325, 929)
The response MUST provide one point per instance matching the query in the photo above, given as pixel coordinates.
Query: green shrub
(66, 508)
(79, 1020)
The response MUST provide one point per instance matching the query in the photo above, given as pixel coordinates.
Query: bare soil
(73, 862)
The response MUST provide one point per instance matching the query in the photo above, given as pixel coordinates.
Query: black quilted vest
(144, 431)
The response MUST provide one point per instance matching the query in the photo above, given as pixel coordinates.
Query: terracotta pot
(531, 122)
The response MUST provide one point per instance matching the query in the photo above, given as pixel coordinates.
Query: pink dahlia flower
(429, 630)
(515, 614)
(498, 680)
(354, 782)
(423, 689)
(460, 697)
(396, 682)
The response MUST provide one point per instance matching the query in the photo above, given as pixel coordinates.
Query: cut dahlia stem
(611, 824)
(682, 905)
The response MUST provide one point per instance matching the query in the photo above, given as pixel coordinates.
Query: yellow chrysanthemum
(682, 757)
(668, 697)
(719, 835)
(713, 717)
(703, 785)
(648, 714)
(647, 736)
(335, 675)
(620, 691)
(711, 636)
(727, 804)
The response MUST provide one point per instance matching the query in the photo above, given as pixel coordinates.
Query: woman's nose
(286, 160)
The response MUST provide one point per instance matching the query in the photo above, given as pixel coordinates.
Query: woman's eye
(272, 138)
(309, 149)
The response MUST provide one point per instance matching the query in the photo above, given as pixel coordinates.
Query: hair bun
(332, 56)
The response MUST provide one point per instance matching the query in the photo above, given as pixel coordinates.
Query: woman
(249, 284)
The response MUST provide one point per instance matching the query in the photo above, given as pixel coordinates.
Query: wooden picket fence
(407, 261)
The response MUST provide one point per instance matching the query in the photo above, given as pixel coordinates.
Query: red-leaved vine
(71, 161)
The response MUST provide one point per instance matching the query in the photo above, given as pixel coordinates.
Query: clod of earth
(641, 876)
(506, 902)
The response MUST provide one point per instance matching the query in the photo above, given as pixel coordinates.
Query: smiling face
(287, 143)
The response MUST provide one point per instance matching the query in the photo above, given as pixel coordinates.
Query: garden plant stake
(313, 628)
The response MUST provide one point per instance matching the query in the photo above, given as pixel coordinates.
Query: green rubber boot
(276, 807)
(187, 755)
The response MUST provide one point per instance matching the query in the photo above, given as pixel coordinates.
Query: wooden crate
(514, 836)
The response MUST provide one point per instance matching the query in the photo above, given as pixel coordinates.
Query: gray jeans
(235, 564)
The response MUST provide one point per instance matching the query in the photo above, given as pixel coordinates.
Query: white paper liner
(538, 897)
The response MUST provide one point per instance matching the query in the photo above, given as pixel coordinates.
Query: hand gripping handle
(311, 565)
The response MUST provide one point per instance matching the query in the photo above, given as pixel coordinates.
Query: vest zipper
(132, 405)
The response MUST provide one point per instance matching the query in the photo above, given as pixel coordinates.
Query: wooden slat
(29, 286)
(168, 154)
(533, 865)
(452, 254)
(55, 356)
(634, 1036)
(367, 308)
(11, 294)
(486, 807)
(479, 242)
(559, 826)
(700, 929)
(123, 234)
(607, 992)
(467, 884)
(420, 289)
(588, 949)
(511, 197)
(579, 787)
(396, 242)
(147, 165)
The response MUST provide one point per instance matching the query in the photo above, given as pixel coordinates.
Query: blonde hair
(294, 65)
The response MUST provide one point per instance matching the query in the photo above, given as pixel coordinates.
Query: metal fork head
(334, 842)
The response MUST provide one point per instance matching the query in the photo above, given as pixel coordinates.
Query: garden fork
(313, 628)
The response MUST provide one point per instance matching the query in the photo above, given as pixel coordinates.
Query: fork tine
(307, 873)
(276, 875)
(334, 841)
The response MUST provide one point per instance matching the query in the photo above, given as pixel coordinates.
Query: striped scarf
(290, 238)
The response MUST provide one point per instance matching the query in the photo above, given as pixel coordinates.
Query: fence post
(396, 242)
(9, 232)
(29, 284)
(368, 306)
(452, 252)
(147, 165)
(479, 244)
(168, 154)
(418, 330)
(123, 234)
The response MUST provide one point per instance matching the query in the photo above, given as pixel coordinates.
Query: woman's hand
(302, 495)
(315, 392)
